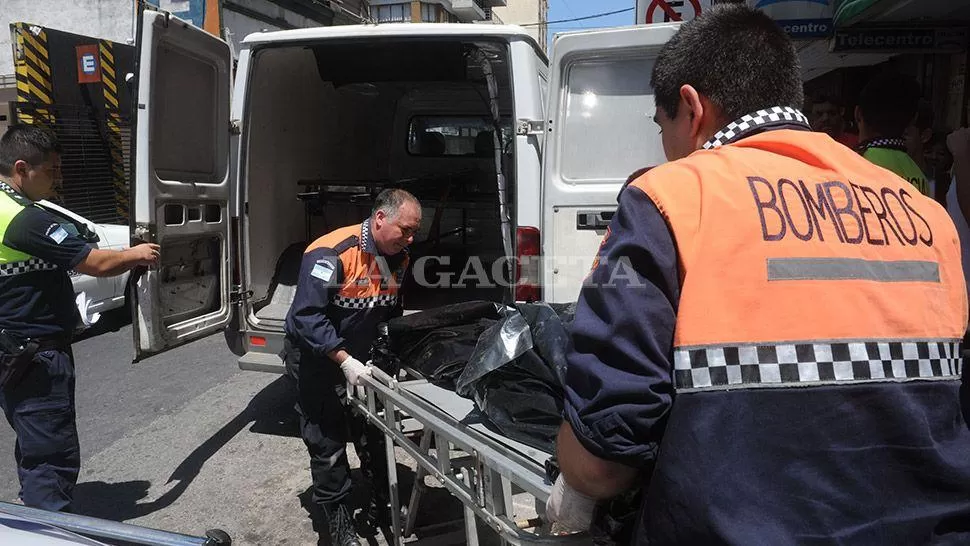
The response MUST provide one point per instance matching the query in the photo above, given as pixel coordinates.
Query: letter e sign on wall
(88, 64)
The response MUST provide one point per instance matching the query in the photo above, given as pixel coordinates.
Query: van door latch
(239, 295)
(593, 220)
(526, 127)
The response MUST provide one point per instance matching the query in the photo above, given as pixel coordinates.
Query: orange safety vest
(801, 262)
(367, 280)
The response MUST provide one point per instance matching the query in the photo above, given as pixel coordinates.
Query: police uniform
(890, 153)
(37, 302)
(772, 334)
(345, 289)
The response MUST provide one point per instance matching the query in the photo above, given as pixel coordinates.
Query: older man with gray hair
(348, 284)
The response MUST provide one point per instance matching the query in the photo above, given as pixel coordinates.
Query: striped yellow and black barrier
(109, 81)
(33, 69)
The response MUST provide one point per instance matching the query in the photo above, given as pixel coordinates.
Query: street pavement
(184, 441)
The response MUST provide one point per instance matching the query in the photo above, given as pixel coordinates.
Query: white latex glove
(83, 303)
(353, 370)
(568, 510)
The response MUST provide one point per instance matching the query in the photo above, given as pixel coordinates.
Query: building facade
(532, 14)
(432, 11)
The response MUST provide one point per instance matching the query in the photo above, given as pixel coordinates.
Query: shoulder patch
(346, 244)
(56, 233)
(323, 270)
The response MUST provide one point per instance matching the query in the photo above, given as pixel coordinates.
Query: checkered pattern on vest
(365, 303)
(25, 266)
(809, 364)
(19, 268)
(760, 120)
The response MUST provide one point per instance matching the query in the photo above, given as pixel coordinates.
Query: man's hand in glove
(568, 510)
(354, 369)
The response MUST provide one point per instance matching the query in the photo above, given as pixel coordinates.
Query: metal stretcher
(101, 529)
(480, 467)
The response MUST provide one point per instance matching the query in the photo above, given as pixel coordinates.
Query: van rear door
(600, 129)
(181, 188)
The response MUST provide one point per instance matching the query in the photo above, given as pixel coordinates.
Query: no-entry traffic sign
(666, 11)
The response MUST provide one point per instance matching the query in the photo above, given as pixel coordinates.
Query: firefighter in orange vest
(348, 284)
(779, 361)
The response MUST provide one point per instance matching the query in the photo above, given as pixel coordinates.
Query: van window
(186, 114)
(432, 136)
(608, 127)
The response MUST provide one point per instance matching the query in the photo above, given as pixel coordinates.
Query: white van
(509, 157)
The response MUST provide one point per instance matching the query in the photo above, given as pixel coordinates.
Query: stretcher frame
(98, 529)
(484, 476)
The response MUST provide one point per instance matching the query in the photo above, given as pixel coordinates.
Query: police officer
(887, 108)
(38, 315)
(348, 284)
(779, 363)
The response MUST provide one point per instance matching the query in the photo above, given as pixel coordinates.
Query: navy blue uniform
(859, 462)
(37, 301)
(345, 289)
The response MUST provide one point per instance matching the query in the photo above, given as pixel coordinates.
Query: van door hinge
(238, 295)
(235, 127)
(526, 127)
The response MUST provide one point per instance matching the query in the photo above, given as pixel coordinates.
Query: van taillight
(528, 256)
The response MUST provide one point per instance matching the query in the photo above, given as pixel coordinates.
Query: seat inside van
(330, 125)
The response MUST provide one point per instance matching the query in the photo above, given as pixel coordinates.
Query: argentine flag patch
(322, 270)
(57, 233)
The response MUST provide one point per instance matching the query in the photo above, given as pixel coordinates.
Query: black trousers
(40, 408)
(328, 424)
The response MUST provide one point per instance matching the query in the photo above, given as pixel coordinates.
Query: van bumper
(262, 352)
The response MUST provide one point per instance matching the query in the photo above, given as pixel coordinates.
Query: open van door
(600, 129)
(181, 189)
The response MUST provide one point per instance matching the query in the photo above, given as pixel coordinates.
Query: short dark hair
(26, 143)
(391, 200)
(889, 102)
(737, 57)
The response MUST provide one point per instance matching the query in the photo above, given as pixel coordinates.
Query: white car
(100, 293)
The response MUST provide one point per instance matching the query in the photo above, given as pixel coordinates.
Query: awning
(817, 59)
(851, 12)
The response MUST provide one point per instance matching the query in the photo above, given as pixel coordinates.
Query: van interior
(330, 125)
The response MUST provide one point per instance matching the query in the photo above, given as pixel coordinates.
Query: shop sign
(801, 19)
(912, 40)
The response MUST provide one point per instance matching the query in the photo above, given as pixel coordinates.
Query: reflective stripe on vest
(801, 263)
(13, 262)
(811, 364)
(366, 302)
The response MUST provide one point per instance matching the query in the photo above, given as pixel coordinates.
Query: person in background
(828, 116)
(919, 137)
(887, 108)
(38, 316)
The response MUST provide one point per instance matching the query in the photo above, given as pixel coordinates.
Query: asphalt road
(185, 441)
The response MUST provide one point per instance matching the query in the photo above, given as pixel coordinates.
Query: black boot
(342, 531)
